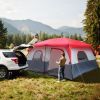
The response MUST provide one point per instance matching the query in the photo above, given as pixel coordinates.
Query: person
(61, 64)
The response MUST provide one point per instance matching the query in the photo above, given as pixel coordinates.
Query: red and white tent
(79, 55)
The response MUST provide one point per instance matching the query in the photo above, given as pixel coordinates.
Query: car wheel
(3, 72)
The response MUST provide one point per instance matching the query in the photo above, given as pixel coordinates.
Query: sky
(55, 13)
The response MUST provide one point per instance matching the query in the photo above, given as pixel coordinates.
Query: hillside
(11, 29)
(30, 26)
(71, 30)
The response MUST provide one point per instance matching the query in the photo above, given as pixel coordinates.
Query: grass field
(33, 86)
(98, 60)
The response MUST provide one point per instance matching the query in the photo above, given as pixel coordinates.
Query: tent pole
(44, 59)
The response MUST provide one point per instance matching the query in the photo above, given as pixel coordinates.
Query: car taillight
(15, 60)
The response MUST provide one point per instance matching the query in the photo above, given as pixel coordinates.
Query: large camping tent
(80, 57)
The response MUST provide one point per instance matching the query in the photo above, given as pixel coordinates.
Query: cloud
(44, 12)
(76, 22)
(6, 8)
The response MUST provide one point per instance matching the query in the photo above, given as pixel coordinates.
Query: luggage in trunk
(21, 58)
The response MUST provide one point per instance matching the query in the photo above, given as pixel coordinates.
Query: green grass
(33, 86)
(98, 58)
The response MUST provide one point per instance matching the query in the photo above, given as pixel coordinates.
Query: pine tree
(3, 35)
(80, 38)
(9, 39)
(28, 38)
(75, 37)
(92, 22)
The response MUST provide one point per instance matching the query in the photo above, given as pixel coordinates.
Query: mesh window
(38, 55)
(82, 56)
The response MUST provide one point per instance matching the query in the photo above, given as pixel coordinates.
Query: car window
(9, 54)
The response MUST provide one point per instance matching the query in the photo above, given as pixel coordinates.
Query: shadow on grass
(32, 74)
(27, 74)
(90, 77)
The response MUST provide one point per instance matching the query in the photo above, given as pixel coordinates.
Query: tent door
(54, 56)
(37, 64)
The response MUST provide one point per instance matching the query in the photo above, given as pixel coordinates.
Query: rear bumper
(18, 67)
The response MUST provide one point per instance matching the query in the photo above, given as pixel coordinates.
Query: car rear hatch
(22, 60)
(21, 47)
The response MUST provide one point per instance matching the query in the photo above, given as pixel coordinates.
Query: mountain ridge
(30, 26)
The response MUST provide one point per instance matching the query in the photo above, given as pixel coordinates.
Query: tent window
(37, 55)
(82, 56)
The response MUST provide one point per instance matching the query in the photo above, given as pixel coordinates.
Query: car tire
(3, 72)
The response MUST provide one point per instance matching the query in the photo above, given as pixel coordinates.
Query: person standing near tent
(61, 64)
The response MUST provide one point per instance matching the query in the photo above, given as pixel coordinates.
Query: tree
(9, 39)
(80, 38)
(71, 36)
(75, 37)
(92, 22)
(62, 34)
(3, 35)
(28, 38)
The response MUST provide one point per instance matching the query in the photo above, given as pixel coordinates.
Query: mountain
(11, 29)
(30, 26)
(71, 30)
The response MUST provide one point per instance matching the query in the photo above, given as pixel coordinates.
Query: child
(61, 64)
